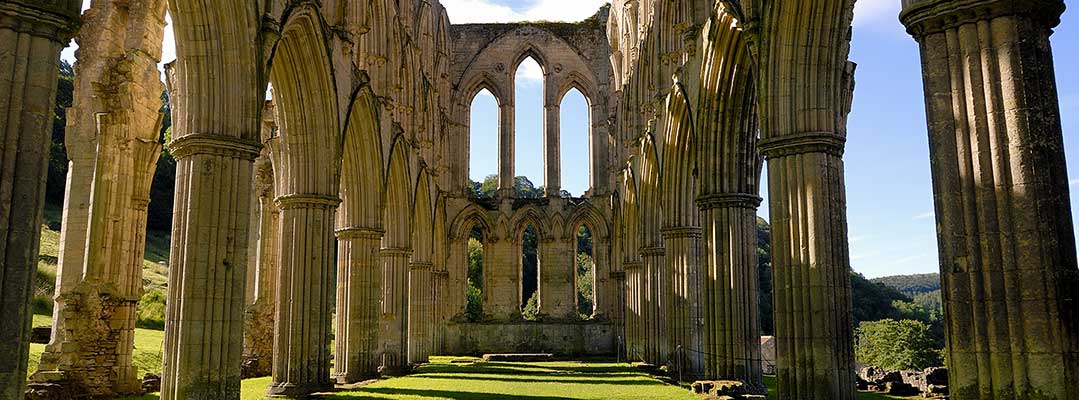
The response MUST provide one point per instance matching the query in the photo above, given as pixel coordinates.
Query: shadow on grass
(443, 394)
(581, 379)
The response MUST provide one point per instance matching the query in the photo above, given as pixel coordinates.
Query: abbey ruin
(338, 203)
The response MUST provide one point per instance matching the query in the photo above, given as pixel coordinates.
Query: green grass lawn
(147, 355)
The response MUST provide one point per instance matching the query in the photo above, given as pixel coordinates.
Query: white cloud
(876, 12)
(484, 11)
(924, 215)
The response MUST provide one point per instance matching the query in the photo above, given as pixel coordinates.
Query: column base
(292, 390)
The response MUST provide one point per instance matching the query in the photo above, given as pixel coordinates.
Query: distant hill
(911, 285)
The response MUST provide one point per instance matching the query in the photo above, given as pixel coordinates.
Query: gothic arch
(306, 101)
(530, 215)
(472, 216)
(423, 220)
(649, 190)
(397, 198)
(588, 215)
(361, 164)
(678, 172)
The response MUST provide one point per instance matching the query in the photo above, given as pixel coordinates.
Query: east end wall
(563, 339)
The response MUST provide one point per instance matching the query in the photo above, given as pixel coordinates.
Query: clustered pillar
(811, 269)
(393, 326)
(682, 313)
(1007, 245)
(419, 311)
(116, 111)
(32, 34)
(304, 295)
(730, 293)
(359, 293)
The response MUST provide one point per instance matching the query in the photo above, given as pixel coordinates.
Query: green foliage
(896, 345)
(529, 265)
(930, 301)
(531, 310)
(150, 311)
(912, 285)
(523, 188)
(764, 276)
(474, 307)
(873, 301)
(585, 285)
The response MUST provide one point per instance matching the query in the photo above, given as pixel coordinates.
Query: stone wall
(563, 339)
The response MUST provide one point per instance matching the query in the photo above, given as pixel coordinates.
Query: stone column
(420, 314)
(207, 267)
(443, 310)
(31, 37)
(605, 288)
(506, 148)
(811, 269)
(262, 280)
(304, 296)
(655, 294)
(359, 292)
(634, 338)
(393, 325)
(556, 264)
(501, 280)
(552, 149)
(682, 312)
(732, 326)
(1007, 245)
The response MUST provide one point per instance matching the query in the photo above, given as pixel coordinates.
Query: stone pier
(1007, 245)
(393, 323)
(116, 111)
(359, 294)
(262, 272)
(32, 33)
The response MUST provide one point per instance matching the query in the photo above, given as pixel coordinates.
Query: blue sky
(889, 192)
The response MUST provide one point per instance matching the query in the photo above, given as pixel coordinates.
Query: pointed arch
(361, 164)
(650, 195)
(422, 220)
(397, 198)
(679, 167)
(588, 215)
(307, 104)
(472, 216)
(530, 215)
(631, 221)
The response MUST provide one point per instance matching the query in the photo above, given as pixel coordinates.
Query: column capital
(214, 144)
(420, 265)
(924, 17)
(293, 201)
(55, 20)
(395, 251)
(802, 143)
(678, 232)
(351, 233)
(653, 251)
(728, 200)
(628, 265)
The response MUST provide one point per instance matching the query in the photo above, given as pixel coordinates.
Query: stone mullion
(604, 289)
(506, 146)
(731, 287)
(31, 40)
(812, 284)
(999, 174)
(442, 309)
(419, 312)
(683, 309)
(207, 274)
(393, 326)
(304, 293)
(552, 148)
(359, 292)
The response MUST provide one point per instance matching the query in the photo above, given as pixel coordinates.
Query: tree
(896, 345)
(474, 307)
(585, 285)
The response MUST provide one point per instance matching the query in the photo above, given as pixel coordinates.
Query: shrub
(896, 345)
(151, 310)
